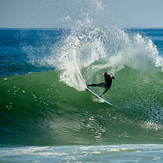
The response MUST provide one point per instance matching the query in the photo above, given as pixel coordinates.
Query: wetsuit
(106, 84)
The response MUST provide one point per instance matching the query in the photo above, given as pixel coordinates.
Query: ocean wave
(38, 109)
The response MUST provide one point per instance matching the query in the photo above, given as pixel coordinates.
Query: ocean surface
(46, 115)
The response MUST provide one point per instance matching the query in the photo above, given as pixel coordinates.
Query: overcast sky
(59, 13)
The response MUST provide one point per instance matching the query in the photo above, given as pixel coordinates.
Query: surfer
(107, 84)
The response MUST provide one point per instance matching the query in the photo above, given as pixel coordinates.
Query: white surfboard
(99, 96)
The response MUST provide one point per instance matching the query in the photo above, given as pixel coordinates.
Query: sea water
(46, 114)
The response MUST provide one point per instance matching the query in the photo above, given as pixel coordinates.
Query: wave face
(38, 109)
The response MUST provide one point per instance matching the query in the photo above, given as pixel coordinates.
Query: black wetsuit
(106, 84)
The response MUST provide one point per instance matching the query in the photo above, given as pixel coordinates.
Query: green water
(39, 109)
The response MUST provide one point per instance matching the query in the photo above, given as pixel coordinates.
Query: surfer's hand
(112, 76)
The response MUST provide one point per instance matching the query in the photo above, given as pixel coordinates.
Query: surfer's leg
(96, 85)
(105, 91)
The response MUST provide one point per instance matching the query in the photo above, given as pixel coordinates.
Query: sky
(61, 13)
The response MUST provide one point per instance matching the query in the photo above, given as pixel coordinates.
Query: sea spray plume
(88, 47)
(133, 50)
(82, 47)
(74, 51)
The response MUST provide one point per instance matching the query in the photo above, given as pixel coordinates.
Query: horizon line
(68, 28)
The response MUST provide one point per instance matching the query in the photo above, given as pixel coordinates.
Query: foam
(93, 50)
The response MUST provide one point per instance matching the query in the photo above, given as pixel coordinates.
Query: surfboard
(98, 96)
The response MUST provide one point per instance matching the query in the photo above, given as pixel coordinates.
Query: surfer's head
(104, 74)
